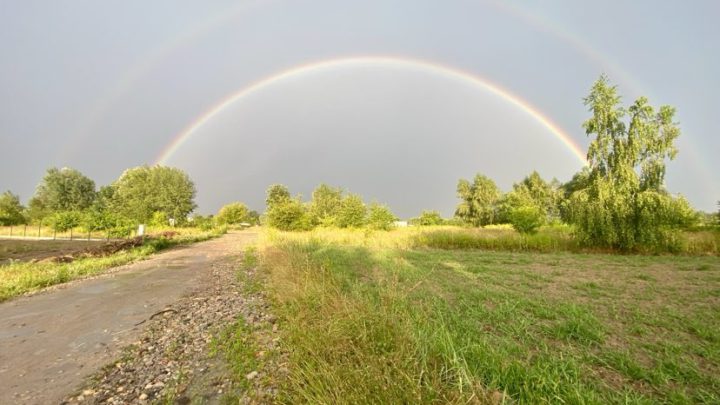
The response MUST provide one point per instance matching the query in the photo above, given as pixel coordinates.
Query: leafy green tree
(11, 211)
(380, 217)
(63, 189)
(276, 194)
(428, 218)
(233, 214)
(289, 215)
(353, 212)
(325, 205)
(547, 197)
(144, 190)
(624, 203)
(65, 220)
(478, 200)
(527, 219)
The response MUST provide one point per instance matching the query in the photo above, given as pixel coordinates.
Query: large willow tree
(624, 203)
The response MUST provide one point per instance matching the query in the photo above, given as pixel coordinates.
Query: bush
(289, 215)
(380, 217)
(352, 212)
(526, 219)
(428, 218)
(233, 214)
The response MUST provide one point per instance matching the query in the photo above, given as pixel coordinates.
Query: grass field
(377, 318)
(20, 277)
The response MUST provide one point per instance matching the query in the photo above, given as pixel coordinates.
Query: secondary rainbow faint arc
(374, 61)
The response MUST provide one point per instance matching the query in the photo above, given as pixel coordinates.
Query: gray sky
(104, 86)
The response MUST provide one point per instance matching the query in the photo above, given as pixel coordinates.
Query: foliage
(60, 190)
(253, 217)
(380, 217)
(526, 219)
(428, 218)
(624, 204)
(532, 191)
(65, 220)
(233, 214)
(159, 219)
(276, 194)
(204, 223)
(289, 215)
(353, 212)
(326, 204)
(11, 211)
(478, 199)
(144, 190)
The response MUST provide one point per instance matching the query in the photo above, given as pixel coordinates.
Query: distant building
(400, 224)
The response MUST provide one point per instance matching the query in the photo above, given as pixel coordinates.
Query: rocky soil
(181, 356)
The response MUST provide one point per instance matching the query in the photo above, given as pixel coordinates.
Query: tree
(11, 211)
(65, 220)
(532, 191)
(478, 199)
(624, 203)
(325, 205)
(144, 190)
(428, 218)
(61, 190)
(289, 215)
(276, 194)
(233, 214)
(380, 217)
(353, 212)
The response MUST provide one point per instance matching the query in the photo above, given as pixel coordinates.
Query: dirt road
(51, 341)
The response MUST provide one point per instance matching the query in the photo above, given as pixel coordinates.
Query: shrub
(352, 212)
(380, 217)
(526, 219)
(289, 215)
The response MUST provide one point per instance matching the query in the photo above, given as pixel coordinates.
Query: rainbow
(371, 61)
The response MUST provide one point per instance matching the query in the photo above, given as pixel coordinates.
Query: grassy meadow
(418, 316)
(19, 277)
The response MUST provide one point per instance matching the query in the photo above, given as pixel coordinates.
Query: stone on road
(49, 342)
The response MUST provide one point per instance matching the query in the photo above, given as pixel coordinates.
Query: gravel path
(52, 341)
(174, 360)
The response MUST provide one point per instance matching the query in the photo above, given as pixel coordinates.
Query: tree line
(66, 198)
(619, 200)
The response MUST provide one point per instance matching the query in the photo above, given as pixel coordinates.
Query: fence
(47, 233)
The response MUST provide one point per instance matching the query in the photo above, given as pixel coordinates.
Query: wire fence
(40, 232)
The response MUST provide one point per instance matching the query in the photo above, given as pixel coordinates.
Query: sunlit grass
(381, 319)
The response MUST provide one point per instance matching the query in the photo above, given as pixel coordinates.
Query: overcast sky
(102, 86)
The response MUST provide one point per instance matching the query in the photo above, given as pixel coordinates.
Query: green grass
(367, 324)
(553, 239)
(18, 278)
